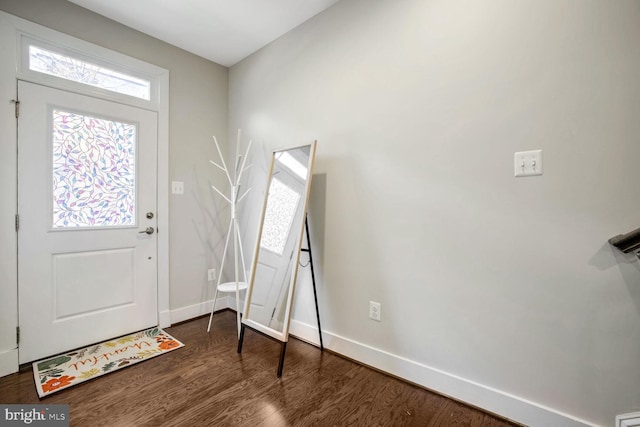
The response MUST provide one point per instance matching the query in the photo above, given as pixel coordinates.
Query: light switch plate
(527, 163)
(177, 187)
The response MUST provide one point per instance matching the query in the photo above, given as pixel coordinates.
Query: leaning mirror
(273, 274)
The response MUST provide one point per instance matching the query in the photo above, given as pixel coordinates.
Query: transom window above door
(96, 72)
(70, 68)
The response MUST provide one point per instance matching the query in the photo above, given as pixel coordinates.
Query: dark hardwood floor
(207, 383)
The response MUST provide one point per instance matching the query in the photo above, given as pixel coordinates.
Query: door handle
(148, 230)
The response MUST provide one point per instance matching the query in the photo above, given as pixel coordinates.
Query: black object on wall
(627, 242)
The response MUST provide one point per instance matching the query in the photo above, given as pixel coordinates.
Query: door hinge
(17, 334)
(16, 103)
(17, 222)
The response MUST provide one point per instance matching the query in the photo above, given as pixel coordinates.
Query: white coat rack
(234, 198)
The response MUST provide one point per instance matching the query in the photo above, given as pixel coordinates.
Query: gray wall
(418, 107)
(198, 110)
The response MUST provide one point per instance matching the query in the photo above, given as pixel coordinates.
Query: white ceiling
(223, 31)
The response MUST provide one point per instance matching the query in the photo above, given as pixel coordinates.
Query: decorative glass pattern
(93, 171)
(74, 69)
(282, 204)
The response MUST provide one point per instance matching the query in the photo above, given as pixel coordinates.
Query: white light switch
(177, 187)
(527, 163)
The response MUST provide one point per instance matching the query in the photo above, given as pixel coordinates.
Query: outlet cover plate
(374, 310)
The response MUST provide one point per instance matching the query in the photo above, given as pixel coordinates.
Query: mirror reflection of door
(275, 264)
(283, 214)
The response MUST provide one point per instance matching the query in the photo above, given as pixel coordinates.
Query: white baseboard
(628, 420)
(192, 311)
(473, 393)
(305, 332)
(9, 362)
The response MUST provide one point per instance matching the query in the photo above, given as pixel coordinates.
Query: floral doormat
(75, 367)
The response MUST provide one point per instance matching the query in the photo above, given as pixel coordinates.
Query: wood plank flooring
(207, 383)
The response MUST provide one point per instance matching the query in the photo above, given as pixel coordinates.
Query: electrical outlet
(211, 274)
(374, 310)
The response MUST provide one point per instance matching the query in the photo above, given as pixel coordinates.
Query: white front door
(87, 270)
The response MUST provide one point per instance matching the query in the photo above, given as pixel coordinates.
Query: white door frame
(12, 31)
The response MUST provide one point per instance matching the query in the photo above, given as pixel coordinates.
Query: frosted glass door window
(93, 171)
(282, 204)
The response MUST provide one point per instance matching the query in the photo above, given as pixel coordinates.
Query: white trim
(163, 213)
(8, 235)
(304, 332)
(628, 420)
(456, 387)
(9, 362)
(191, 311)
(200, 309)
(164, 319)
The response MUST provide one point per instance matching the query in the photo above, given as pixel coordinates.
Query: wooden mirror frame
(247, 320)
